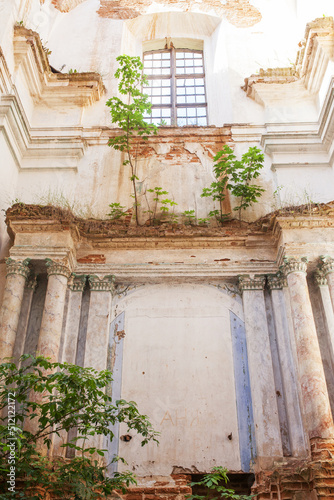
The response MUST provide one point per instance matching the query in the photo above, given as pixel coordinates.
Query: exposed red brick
(92, 259)
(240, 13)
(66, 5)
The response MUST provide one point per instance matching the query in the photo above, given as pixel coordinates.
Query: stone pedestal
(17, 273)
(287, 366)
(52, 320)
(267, 426)
(316, 407)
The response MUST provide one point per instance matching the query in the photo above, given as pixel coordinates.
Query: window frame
(173, 77)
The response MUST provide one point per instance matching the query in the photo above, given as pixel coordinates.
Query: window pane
(189, 90)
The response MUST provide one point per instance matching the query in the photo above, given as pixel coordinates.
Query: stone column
(96, 349)
(267, 425)
(52, 319)
(326, 302)
(17, 273)
(316, 406)
(76, 286)
(276, 283)
(24, 317)
(326, 268)
(98, 321)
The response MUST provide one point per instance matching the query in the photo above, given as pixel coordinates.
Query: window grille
(176, 87)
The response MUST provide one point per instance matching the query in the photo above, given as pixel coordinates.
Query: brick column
(316, 407)
(267, 426)
(52, 319)
(17, 273)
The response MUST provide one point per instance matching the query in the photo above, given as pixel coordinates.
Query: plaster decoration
(251, 283)
(294, 265)
(103, 284)
(320, 278)
(56, 268)
(18, 267)
(316, 406)
(326, 265)
(77, 282)
(54, 89)
(31, 282)
(308, 71)
(276, 281)
(240, 13)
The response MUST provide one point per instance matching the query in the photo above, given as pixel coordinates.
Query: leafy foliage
(56, 397)
(165, 205)
(214, 483)
(116, 211)
(236, 176)
(129, 115)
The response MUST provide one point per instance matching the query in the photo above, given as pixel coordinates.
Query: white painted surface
(177, 365)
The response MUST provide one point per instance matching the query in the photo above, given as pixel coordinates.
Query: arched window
(176, 87)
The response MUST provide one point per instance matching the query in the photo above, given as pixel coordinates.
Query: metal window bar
(186, 77)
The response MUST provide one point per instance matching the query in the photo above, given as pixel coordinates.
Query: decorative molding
(276, 281)
(32, 282)
(56, 268)
(103, 284)
(326, 264)
(307, 73)
(18, 267)
(294, 265)
(77, 282)
(247, 283)
(320, 278)
(54, 89)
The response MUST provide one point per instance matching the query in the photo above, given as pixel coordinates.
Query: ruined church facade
(223, 335)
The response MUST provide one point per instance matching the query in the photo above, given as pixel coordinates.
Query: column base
(310, 479)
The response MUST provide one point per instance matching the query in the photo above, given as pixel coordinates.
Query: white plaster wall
(84, 41)
(177, 365)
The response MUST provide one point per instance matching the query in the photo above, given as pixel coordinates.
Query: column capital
(247, 282)
(276, 281)
(54, 267)
(77, 282)
(320, 277)
(101, 284)
(32, 282)
(20, 267)
(326, 264)
(294, 265)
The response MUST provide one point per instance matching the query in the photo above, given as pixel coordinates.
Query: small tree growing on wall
(129, 115)
(235, 176)
(72, 397)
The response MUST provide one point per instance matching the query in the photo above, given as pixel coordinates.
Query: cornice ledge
(309, 69)
(57, 89)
